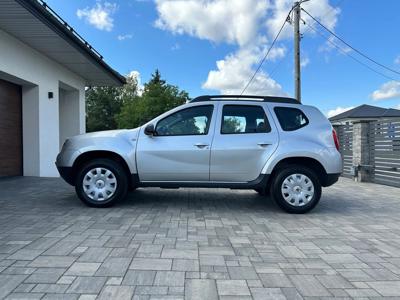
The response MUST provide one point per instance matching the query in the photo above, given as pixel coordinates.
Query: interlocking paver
(199, 289)
(83, 269)
(114, 266)
(212, 260)
(8, 283)
(386, 288)
(179, 253)
(95, 254)
(275, 280)
(151, 264)
(190, 265)
(87, 285)
(309, 286)
(197, 244)
(45, 275)
(232, 288)
(170, 278)
(51, 296)
(138, 277)
(247, 273)
(52, 261)
(117, 292)
(50, 288)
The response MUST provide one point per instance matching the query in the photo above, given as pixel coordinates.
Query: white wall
(68, 110)
(40, 114)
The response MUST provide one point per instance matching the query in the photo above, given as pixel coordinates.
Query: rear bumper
(330, 179)
(66, 174)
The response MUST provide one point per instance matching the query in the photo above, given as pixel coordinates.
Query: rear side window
(238, 119)
(291, 118)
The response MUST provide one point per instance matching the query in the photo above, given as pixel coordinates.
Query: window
(244, 119)
(291, 118)
(189, 121)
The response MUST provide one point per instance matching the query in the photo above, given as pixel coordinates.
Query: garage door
(10, 129)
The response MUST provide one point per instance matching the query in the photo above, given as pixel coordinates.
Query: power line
(351, 56)
(266, 55)
(291, 45)
(351, 47)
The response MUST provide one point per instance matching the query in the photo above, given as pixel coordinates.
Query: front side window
(189, 121)
(291, 118)
(238, 119)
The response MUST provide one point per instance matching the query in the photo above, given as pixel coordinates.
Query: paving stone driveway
(197, 244)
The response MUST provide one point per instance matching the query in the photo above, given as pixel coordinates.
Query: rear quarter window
(291, 118)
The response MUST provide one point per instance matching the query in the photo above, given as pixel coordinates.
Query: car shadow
(51, 194)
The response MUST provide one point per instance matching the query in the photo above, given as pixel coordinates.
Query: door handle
(201, 145)
(264, 144)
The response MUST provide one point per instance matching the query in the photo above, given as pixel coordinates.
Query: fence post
(361, 151)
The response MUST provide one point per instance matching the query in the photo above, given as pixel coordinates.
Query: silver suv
(269, 144)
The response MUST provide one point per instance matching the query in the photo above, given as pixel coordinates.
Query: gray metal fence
(345, 136)
(385, 151)
(375, 153)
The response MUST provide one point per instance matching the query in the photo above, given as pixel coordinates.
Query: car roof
(245, 98)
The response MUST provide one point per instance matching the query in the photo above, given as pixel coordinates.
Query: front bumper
(66, 174)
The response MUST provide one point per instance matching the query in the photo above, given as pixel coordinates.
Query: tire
(103, 179)
(299, 185)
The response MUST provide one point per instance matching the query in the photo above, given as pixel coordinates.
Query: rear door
(245, 137)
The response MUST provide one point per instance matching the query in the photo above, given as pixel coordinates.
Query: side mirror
(149, 130)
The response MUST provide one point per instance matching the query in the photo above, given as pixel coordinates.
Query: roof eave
(43, 15)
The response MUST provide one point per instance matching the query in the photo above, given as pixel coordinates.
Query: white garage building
(44, 69)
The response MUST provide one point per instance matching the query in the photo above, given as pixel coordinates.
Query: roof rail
(246, 98)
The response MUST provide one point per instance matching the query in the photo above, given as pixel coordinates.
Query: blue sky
(213, 46)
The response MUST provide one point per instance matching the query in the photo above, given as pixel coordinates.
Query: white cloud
(330, 45)
(388, 90)
(304, 62)
(100, 15)
(235, 70)
(397, 107)
(338, 110)
(251, 25)
(320, 9)
(123, 37)
(135, 75)
(397, 60)
(232, 21)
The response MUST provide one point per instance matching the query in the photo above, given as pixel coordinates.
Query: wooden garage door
(10, 129)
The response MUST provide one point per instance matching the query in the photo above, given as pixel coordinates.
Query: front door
(244, 140)
(180, 149)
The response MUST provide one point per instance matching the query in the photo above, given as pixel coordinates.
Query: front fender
(124, 146)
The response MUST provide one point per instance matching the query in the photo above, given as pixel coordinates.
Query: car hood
(130, 134)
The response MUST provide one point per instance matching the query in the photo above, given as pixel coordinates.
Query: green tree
(103, 104)
(157, 98)
(231, 125)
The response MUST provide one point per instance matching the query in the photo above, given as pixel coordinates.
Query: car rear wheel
(296, 189)
(101, 183)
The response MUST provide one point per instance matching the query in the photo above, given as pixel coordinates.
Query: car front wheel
(296, 189)
(101, 183)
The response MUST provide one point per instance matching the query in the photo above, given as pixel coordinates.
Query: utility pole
(297, 38)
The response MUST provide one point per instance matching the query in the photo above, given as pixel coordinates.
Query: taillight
(335, 139)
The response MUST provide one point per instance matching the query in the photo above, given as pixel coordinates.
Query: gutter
(50, 18)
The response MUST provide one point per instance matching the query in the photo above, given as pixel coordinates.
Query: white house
(44, 69)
